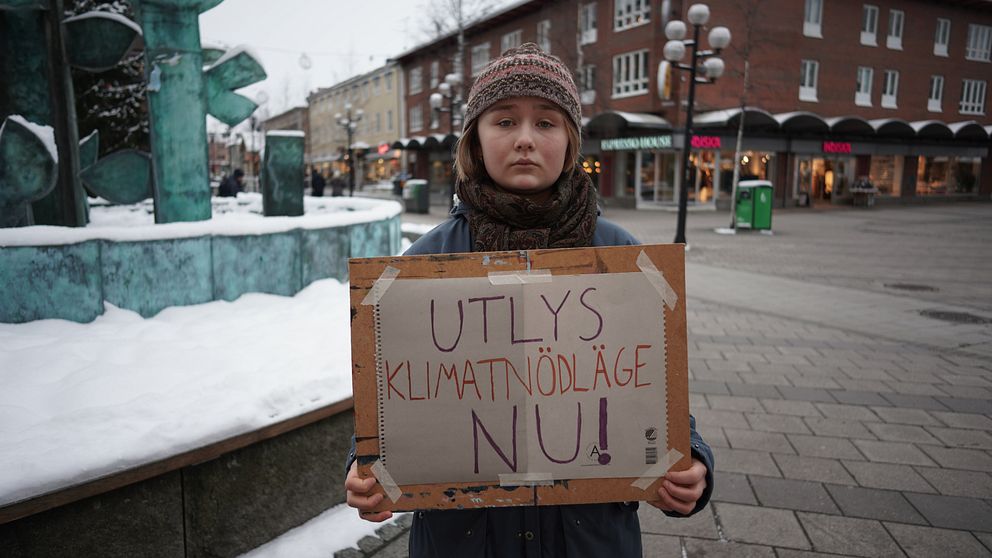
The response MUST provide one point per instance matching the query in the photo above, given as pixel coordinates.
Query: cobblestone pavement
(844, 421)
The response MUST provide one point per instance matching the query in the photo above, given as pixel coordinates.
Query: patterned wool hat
(524, 71)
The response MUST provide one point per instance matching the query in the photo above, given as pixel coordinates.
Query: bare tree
(749, 16)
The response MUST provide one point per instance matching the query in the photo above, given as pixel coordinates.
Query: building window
(435, 70)
(942, 36)
(389, 81)
(544, 35)
(972, 97)
(416, 119)
(587, 23)
(862, 95)
(869, 25)
(630, 13)
(813, 19)
(378, 122)
(511, 40)
(979, 42)
(936, 93)
(890, 88)
(630, 74)
(807, 80)
(587, 84)
(389, 120)
(416, 81)
(894, 38)
(376, 84)
(480, 57)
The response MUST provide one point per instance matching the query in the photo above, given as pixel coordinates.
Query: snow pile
(231, 217)
(80, 401)
(335, 529)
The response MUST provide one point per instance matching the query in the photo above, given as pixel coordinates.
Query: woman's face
(524, 141)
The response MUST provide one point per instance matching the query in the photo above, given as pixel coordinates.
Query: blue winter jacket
(588, 530)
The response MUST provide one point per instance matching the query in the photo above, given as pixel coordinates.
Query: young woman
(519, 188)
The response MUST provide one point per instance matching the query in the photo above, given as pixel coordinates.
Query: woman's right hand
(359, 498)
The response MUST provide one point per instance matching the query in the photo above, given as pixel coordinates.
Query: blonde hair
(469, 166)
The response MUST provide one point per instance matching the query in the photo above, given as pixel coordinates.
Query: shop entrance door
(822, 180)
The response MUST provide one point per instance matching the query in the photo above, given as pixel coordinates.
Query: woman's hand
(359, 498)
(681, 489)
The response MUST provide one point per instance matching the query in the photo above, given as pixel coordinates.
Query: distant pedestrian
(317, 183)
(231, 185)
(337, 184)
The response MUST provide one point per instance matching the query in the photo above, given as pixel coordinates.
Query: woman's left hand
(680, 490)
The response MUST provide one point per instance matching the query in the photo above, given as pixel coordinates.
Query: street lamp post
(449, 90)
(712, 68)
(349, 122)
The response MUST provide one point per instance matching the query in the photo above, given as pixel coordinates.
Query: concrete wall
(218, 509)
(72, 281)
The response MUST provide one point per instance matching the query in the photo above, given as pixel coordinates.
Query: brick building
(890, 91)
(377, 95)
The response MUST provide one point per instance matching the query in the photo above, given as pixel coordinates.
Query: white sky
(342, 38)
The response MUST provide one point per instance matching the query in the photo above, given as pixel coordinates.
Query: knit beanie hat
(524, 71)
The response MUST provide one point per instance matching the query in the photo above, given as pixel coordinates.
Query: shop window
(416, 80)
(885, 174)
(942, 37)
(979, 43)
(937, 176)
(862, 93)
(894, 38)
(869, 25)
(972, 97)
(511, 40)
(630, 74)
(630, 13)
(480, 57)
(808, 71)
(587, 23)
(936, 93)
(544, 35)
(890, 89)
(813, 19)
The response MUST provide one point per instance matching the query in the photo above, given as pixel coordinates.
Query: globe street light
(449, 90)
(711, 69)
(349, 122)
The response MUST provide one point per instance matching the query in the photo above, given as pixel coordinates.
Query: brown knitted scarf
(500, 220)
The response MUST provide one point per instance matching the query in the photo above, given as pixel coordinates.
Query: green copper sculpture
(180, 95)
(282, 174)
(38, 47)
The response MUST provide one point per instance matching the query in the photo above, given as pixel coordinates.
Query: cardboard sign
(513, 378)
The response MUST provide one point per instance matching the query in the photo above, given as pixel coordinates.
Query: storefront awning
(853, 125)
(931, 129)
(802, 121)
(970, 130)
(892, 128)
(613, 122)
(408, 143)
(435, 141)
(730, 118)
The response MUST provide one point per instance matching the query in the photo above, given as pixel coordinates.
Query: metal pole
(687, 141)
(737, 154)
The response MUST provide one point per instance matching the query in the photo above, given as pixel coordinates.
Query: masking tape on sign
(657, 471)
(519, 277)
(380, 286)
(386, 480)
(657, 280)
(526, 479)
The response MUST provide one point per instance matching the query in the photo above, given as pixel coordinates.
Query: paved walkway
(844, 421)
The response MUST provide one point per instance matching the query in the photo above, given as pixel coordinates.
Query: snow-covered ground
(335, 529)
(231, 216)
(80, 401)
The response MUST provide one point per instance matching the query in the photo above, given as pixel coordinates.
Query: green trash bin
(754, 205)
(416, 196)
